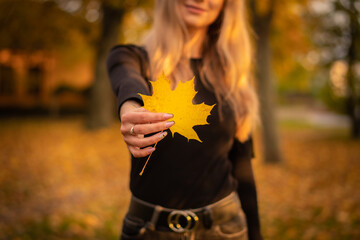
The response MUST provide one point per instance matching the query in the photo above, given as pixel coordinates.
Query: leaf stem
(142, 171)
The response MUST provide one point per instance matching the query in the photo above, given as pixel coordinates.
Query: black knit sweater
(186, 174)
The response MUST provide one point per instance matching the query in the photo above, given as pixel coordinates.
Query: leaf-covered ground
(59, 181)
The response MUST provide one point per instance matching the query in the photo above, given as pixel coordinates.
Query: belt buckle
(176, 221)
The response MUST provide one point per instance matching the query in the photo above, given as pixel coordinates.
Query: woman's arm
(125, 66)
(241, 155)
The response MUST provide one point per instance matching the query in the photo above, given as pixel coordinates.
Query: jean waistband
(180, 220)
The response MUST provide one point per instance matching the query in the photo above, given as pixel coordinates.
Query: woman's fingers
(141, 115)
(143, 142)
(139, 122)
(151, 127)
(137, 152)
(141, 109)
(143, 129)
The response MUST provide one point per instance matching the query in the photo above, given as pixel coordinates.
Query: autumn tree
(278, 27)
(101, 107)
(336, 32)
(261, 20)
(45, 27)
(353, 58)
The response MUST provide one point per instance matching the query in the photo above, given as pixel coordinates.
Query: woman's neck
(194, 44)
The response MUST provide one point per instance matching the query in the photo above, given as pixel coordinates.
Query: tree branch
(271, 11)
(253, 8)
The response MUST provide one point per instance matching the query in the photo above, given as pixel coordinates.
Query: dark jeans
(230, 224)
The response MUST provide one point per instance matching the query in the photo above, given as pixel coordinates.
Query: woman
(190, 190)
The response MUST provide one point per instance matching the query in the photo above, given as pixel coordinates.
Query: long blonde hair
(227, 57)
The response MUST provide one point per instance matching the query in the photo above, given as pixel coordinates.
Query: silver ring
(132, 130)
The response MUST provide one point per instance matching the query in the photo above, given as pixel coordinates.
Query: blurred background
(64, 167)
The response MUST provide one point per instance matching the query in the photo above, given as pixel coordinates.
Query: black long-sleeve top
(186, 174)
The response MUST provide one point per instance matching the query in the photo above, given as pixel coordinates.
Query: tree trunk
(266, 91)
(102, 103)
(261, 24)
(353, 103)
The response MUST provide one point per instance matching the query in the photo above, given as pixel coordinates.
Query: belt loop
(154, 218)
(207, 217)
(189, 235)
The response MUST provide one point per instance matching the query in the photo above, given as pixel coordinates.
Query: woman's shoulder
(128, 50)
(127, 53)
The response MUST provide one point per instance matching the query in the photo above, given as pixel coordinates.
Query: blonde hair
(227, 57)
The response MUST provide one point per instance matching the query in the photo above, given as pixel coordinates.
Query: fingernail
(162, 135)
(168, 115)
(150, 150)
(169, 124)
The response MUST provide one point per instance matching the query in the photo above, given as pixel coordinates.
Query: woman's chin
(195, 22)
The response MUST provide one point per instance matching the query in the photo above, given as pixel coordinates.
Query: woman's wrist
(128, 106)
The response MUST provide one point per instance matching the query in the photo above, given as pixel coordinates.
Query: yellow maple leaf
(179, 103)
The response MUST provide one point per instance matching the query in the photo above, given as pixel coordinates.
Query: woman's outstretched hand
(137, 122)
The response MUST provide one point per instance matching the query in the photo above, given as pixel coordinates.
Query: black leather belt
(166, 219)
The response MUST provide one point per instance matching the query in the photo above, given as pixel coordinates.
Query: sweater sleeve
(240, 156)
(125, 70)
